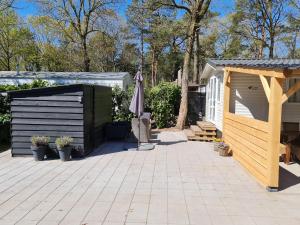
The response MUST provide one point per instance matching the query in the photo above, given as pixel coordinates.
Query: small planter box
(224, 150)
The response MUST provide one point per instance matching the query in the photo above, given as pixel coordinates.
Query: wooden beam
(255, 71)
(292, 73)
(290, 92)
(226, 102)
(266, 86)
(275, 110)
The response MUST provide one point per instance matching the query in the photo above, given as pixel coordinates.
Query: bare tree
(79, 17)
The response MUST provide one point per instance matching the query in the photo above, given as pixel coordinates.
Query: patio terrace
(177, 183)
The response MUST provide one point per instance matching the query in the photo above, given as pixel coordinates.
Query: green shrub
(165, 100)
(120, 102)
(162, 101)
(5, 105)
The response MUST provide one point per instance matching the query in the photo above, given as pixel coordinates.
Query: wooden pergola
(255, 143)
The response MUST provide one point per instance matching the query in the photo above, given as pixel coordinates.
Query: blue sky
(27, 8)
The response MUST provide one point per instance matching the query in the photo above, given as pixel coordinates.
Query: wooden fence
(248, 138)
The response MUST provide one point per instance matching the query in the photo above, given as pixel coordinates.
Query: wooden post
(226, 101)
(275, 109)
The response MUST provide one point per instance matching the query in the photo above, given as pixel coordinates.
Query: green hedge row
(5, 105)
(162, 101)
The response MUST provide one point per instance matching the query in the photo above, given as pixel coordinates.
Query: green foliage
(4, 118)
(18, 46)
(63, 142)
(40, 140)
(162, 101)
(5, 105)
(165, 100)
(120, 103)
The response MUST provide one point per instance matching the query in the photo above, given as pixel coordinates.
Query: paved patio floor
(177, 183)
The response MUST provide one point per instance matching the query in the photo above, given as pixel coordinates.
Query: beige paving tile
(179, 183)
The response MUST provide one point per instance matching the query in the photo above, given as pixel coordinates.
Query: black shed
(79, 111)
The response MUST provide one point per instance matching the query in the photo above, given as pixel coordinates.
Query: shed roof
(63, 75)
(257, 63)
(62, 88)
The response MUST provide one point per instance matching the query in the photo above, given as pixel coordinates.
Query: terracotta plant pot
(65, 153)
(39, 152)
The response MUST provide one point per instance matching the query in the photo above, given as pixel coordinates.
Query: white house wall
(290, 110)
(247, 97)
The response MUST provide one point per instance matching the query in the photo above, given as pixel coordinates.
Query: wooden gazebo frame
(255, 143)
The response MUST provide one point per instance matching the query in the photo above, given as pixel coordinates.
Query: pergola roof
(290, 64)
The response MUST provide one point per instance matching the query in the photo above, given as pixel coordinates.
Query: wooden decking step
(192, 137)
(206, 125)
(199, 132)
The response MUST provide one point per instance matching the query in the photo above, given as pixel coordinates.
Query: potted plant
(217, 142)
(39, 145)
(64, 147)
(223, 149)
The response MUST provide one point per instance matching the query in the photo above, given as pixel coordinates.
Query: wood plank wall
(51, 114)
(248, 138)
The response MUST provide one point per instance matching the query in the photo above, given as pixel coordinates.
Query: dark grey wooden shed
(79, 111)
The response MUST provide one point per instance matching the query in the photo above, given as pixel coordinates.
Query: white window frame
(214, 97)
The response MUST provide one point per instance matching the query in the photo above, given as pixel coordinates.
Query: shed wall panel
(53, 114)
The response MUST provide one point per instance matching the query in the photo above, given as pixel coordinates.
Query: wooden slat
(198, 131)
(256, 142)
(47, 133)
(252, 169)
(46, 109)
(52, 98)
(28, 144)
(16, 127)
(23, 139)
(48, 122)
(257, 124)
(250, 159)
(249, 130)
(206, 126)
(26, 102)
(260, 154)
(47, 115)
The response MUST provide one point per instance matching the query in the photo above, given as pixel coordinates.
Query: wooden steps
(206, 126)
(203, 131)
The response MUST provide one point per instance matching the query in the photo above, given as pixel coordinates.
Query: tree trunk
(185, 75)
(86, 59)
(271, 48)
(196, 60)
(153, 69)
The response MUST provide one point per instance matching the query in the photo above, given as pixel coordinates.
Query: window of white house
(295, 98)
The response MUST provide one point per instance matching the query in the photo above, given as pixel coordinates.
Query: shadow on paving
(287, 179)
(4, 147)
